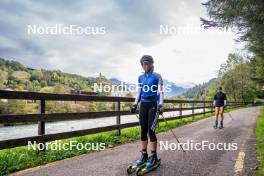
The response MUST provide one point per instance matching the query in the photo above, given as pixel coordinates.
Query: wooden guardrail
(43, 117)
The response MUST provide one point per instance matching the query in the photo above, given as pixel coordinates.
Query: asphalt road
(238, 131)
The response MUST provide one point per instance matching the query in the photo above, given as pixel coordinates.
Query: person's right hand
(133, 109)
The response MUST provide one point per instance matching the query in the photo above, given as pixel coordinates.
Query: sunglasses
(145, 63)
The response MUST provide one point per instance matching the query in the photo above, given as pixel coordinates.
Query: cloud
(132, 29)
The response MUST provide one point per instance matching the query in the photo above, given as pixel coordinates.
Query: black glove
(133, 109)
(160, 109)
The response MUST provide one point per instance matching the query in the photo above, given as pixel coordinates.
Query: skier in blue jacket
(150, 95)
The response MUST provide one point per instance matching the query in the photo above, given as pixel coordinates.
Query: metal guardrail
(43, 117)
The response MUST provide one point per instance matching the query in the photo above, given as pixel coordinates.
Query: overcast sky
(132, 28)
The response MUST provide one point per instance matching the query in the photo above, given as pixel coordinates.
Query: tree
(235, 78)
(259, 68)
(3, 79)
(60, 89)
(15, 65)
(35, 86)
(36, 75)
(43, 83)
(2, 63)
(246, 17)
(55, 77)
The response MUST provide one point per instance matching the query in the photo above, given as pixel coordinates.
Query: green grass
(19, 158)
(260, 142)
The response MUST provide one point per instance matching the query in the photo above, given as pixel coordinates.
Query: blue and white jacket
(150, 89)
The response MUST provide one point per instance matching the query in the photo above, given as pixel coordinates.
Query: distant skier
(219, 104)
(150, 94)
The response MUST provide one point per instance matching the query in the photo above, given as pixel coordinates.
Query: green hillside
(198, 91)
(15, 76)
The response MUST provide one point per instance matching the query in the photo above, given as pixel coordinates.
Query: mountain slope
(198, 91)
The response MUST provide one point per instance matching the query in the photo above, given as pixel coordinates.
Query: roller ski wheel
(145, 170)
(133, 168)
(139, 164)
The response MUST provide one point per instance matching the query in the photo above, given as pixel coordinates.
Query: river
(19, 131)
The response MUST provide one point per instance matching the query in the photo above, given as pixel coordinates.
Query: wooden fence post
(41, 124)
(118, 120)
(204, 108)
(193, 111)
(180, 106)
(212, 109)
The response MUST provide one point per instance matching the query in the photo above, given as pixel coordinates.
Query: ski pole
(230, 116)
(172, 133)
(154, 124)
(138, 118)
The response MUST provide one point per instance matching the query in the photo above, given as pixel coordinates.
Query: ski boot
(221, 125)
(152, 164)
(139, 163)
(216, 124)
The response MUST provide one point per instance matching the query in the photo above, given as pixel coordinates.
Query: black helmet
(147, 59)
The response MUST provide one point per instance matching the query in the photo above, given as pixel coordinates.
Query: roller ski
(152, 164)
(139, 163)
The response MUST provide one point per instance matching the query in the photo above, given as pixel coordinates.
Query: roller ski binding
(139, 163)
(152, 164)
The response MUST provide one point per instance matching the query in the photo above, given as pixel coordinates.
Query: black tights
(147, 116)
